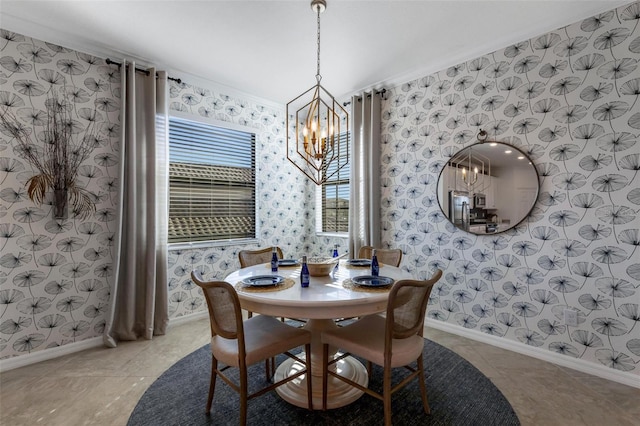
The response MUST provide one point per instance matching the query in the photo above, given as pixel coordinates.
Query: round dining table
(327, 299)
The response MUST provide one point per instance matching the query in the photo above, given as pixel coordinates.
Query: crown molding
(63, 38)
(534, 30)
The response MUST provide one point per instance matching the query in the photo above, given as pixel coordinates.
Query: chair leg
(243, 395)
(212, 383)
(386, 394)
(325, 367)
(423, 387)
(267, 369)
(307, 349)
(270, 368)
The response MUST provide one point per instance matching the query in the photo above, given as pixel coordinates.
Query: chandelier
(473, 168)
(317, 126)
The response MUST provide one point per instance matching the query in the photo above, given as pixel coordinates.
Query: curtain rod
(377, 92)
(109, 62)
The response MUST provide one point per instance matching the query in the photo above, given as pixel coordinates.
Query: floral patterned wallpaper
(569, 99)
(55, 275)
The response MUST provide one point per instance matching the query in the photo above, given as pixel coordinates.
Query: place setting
(264, 283)
(368, 283)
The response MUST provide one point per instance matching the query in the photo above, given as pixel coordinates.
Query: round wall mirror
(488, 187)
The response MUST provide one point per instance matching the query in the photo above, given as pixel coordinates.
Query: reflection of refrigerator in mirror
(459, 208)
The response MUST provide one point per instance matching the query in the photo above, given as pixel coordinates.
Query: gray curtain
(364, 204)
(139, 305)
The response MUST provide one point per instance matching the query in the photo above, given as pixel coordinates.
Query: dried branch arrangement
(56, 154)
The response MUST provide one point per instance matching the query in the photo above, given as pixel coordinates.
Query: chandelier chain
(318, 76)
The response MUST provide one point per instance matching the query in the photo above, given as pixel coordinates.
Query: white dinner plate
(371, 281)
(263, 280)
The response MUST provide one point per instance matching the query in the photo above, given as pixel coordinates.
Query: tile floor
(102, 386)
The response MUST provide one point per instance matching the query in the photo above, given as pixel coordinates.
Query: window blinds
(211, 182)
(335, 196)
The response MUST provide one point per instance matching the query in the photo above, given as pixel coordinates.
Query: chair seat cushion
(264, 336)
(365, 338)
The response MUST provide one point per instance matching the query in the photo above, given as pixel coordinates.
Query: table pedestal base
(339, 393)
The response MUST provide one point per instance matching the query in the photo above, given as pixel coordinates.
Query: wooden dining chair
(391, 341)
(237, 343)
(256, 257)
(391, 257)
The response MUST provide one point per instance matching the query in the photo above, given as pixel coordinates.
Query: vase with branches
(55, 154)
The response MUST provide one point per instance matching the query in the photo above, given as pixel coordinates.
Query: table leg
(339, 393)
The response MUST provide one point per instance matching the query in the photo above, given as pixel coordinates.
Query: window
(211, 182)
(334, 197)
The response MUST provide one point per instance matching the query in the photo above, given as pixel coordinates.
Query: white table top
(325, 298)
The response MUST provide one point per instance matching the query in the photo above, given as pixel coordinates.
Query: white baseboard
(602, 371)
(47, 354)
(188, 318)
(60, 351)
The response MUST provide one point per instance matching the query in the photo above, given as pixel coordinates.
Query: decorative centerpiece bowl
(321, 266)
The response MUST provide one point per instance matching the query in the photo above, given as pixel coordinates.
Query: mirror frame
(482, 140)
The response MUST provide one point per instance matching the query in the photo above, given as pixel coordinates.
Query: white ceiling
(268, 48)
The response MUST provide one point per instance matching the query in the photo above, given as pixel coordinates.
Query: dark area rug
(458, 394)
